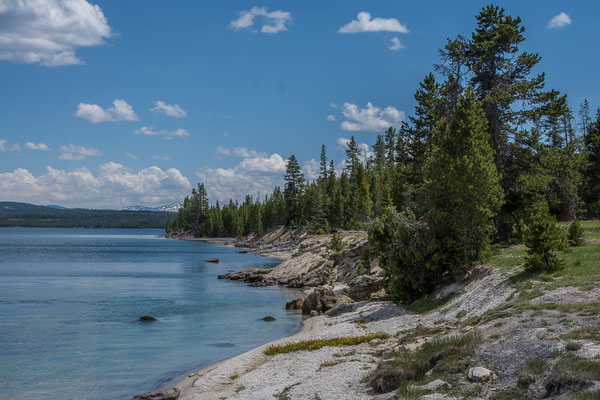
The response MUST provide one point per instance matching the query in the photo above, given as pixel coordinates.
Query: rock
(436, 385)
(436, 396)
(320, 300)
(252, 275)
(314, 313)
(362, 286)
(379, 295)
(147, 318)
(171, 394)
(339, 310)
(269, 318)
(294, 305)
(385, 396)
(480, 374)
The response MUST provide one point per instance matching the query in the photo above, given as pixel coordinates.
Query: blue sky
(114, 103)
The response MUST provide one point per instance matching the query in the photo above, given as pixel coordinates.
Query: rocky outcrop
(171, 394)
(294, 305)
(322, 300)
(363, 286)
(252, 275)
(269, 318)
(147, 318)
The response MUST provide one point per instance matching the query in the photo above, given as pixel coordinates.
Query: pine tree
(323, 164)
(294, 181)
(462, 191)
(542, 239)
(575, 235)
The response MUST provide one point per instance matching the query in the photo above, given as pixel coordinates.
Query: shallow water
(70, 300)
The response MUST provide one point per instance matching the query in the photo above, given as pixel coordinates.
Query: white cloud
(396, 44)
(331, 117)
(275, 21)
(49, 31)
(39, 146)
(239, 152)
(364, 23)
(371, 118)
(3, 145)
(164, 158)
(364, 149)
(167, 135)
(256, 173)
(120, 111)
(559, 21)
(132, 156)
(113, 186)
(76, 152)
(333, 105)
(311, 169)
(171, 110)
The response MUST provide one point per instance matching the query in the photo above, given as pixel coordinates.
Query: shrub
(337, 244)
(575, 234)
(542, 239)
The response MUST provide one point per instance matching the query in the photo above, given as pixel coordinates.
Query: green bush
(337, 244)
(575, 234)
(542, 239)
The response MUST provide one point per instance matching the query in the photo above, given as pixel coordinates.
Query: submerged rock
(269, 318)
(147, 318)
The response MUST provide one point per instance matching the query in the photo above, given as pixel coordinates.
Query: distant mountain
(14, 206)
(56, 207)
(166, 208)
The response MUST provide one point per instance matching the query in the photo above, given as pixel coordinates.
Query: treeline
(487, 151)
(19, 214)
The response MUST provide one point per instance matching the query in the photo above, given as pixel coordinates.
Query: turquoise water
(70, 300)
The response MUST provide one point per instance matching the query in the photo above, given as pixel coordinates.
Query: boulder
(294, 305)
(436, 385)
(171, 394)
(480, 374)
(269, 318)
(147, 318)
(320, 300)
(362, 286)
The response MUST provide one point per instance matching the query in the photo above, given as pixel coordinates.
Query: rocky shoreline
(476, 348)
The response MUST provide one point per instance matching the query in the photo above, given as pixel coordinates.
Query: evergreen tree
(294, 181)
(323, 164)
(542, 239)
(575, 236)
(462, 191)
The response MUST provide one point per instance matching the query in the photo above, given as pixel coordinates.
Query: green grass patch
(588, 333)
(446, 355)
(429, 303)
(578, 367)
(536, 365)
(309, 345)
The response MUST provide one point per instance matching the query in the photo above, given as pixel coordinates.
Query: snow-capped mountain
(165, 208)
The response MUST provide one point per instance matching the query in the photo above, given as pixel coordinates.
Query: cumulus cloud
(274, 22)
(170, 110)
(3, 145)
(113, 186)
(167, 135)
(49, 31)
(256, 173)
(371, 118)
(120, 111)
(331, 117)
(311, 169)
(364, 23)
(364, 149)
(76, 152)
(396, 44)
(559, 21)
(38, 146)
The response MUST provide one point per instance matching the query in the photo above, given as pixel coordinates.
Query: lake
(70, 300)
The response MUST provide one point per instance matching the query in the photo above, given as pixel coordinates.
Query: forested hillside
(489, 155)
(29, 215)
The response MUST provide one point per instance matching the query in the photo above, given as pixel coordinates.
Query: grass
(578, 367)
(446, 355)
(429, 303)
(309, 345)
(589, 333)
(536, 365)
(572, 346)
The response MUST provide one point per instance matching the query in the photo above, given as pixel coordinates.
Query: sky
(108, 103)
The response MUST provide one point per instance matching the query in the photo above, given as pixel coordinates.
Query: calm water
(70, 299)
